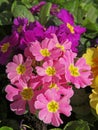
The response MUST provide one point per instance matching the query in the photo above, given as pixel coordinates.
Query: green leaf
(10, 123)
(94, 113)
(56, 129)
(59, 2)
(4, 5)
(77, 125)
(90, 26)
(29, 3)
(44, 13)
(72, 6)
(5, 128)
(92, 13)
(5, 18)
(18, 9)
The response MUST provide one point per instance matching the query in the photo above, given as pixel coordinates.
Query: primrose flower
(6, 47)
(35, 31)
(91, 57)
(94, 99)
(18, 69)
(50, 105)
(63, 90)
(45, 50)
(19, 25)
(76, 72)
(68, 29)
(68, 20)
(35, 9)
(51, 70)
(21, 94)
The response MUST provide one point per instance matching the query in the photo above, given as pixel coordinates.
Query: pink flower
(18, 69)
(60, 85)
(76, 71)
(45, 49)
(21, 94)
(50, 105)
(51, 70)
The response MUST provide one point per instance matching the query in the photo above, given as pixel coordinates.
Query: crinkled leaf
(90, 26)
(72, 6)
(6, 128)
(29, 3)
(18, 9)
(5, 18)
(77, 125)
(4, 5)
(92, 14)
(59, 2)
(44, 13)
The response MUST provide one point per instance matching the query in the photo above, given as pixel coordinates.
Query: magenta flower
(35, 31)
(21, 94)
(7, 46)
(76, 71)
(19, 25)
(50, 105)
(68, 20)
(18, 69)
(35, 9)
(69, 29)
(50, 30)
(51, 70)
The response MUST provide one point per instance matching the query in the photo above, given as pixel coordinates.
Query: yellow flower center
(45, 52)
(5, 47)
(60, 46)
(27, 93)
(19, 29)
(50, 71)
(71, 28)
(74, 70)
(21, 69)
(53, 106)
(53, 85)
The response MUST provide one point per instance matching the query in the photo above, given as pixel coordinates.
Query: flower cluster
(43, 66)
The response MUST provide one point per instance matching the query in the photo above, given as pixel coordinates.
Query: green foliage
(85, 13)
(5, 128)
(44, 13)
(56, 129)
(29, 3)
(77, 125)
(18, 9)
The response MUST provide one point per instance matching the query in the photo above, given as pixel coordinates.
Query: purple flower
(6, 47)
(37, 8)
(19, 25)
(35, 31)
(50, 30)
(54, 9)
(65, 16)
(68, 29)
